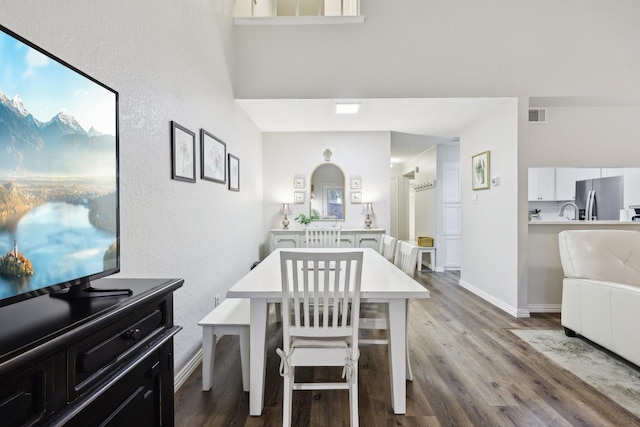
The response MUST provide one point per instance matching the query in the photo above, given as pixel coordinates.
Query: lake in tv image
(58, 171)
(59, 241)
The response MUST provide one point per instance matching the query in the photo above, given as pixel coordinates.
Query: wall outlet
(216, 302)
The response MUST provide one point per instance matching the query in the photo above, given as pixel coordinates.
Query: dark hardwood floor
(469, 370)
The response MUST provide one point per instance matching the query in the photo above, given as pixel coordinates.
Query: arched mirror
(326, 201)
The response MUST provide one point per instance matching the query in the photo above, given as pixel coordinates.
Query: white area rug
(616, 379)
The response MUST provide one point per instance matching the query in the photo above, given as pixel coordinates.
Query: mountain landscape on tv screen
(60, 146)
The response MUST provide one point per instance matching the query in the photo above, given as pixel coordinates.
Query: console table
(349, 238)
(99, 361)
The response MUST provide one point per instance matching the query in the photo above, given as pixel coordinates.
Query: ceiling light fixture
(347, 108)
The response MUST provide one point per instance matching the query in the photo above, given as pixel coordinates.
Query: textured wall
(169, 61)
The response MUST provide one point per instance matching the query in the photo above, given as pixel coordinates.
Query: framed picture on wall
(213, 158)
(298, 182)
(298, 197)
(356, 197)
(356, 183)
(183, 153)
(234, 173)
(480, 171)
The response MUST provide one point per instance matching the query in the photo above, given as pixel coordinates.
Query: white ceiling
(424, 121)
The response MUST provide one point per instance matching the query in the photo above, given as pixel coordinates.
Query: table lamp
(285, 210)
(367, 209)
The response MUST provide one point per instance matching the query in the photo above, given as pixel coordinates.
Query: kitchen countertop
(567, 222)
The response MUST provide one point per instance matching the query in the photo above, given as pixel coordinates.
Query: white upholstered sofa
(601, 288)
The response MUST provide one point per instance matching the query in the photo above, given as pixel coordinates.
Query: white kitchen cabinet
(541, 184)
(587, 173)
(565, 184)
(631, 192)
(605, 172)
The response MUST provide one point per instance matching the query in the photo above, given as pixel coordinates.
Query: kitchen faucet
(575, 210)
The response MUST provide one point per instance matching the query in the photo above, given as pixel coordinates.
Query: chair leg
(287, 397)
(406, 340)
(208, 356)
(244, 356)
(353, 398)
(408, 363)
(278, 308)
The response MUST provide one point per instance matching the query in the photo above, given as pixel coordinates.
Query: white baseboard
(545, 308)
(514, 311)
(192, 364)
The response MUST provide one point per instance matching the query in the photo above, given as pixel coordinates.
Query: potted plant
(303, 219)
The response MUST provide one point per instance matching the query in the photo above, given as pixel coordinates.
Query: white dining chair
(406, 257)
(320, 311)
(388, 246)
(321, 237)
(374, 316)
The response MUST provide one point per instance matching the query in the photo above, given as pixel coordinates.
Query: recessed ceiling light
(347, 108)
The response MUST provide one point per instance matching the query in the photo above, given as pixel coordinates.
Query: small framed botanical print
(480, 167)
(298, 197)
(356, 183)
(356, 197)
(298, 182)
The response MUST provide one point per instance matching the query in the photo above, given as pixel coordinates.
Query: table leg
(397, 353)
(258, 334)
(208, 356)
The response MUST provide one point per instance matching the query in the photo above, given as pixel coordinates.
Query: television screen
(59, 206)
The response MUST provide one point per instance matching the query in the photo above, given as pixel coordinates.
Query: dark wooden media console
(96, 361)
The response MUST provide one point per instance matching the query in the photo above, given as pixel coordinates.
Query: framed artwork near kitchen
(480, 171)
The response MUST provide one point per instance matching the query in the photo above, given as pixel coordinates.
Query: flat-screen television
(59, 183)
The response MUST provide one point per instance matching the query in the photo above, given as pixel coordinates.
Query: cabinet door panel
(565, 184)
(534, 184)
(547, 184)
(541, 184)
(587, 173)
(368, 241)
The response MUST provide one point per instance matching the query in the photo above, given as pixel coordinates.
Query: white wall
(169, 61)
(453, 48)
(363, 154)
(593, 136)
(490, 226)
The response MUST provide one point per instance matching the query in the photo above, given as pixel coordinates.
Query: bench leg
(244, 356)
(208, 356)
(278, 308)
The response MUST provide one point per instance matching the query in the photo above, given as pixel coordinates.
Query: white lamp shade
(285, 209)
(367, 209)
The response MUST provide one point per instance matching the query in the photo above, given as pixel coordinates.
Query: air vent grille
(537, 115)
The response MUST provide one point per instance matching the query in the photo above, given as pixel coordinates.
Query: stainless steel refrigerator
(600, 198)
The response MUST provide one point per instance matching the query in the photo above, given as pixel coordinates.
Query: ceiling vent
(537, 115)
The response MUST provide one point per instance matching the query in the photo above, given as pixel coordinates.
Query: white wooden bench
(231, 317)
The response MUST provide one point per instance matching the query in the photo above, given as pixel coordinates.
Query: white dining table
(382, 282)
